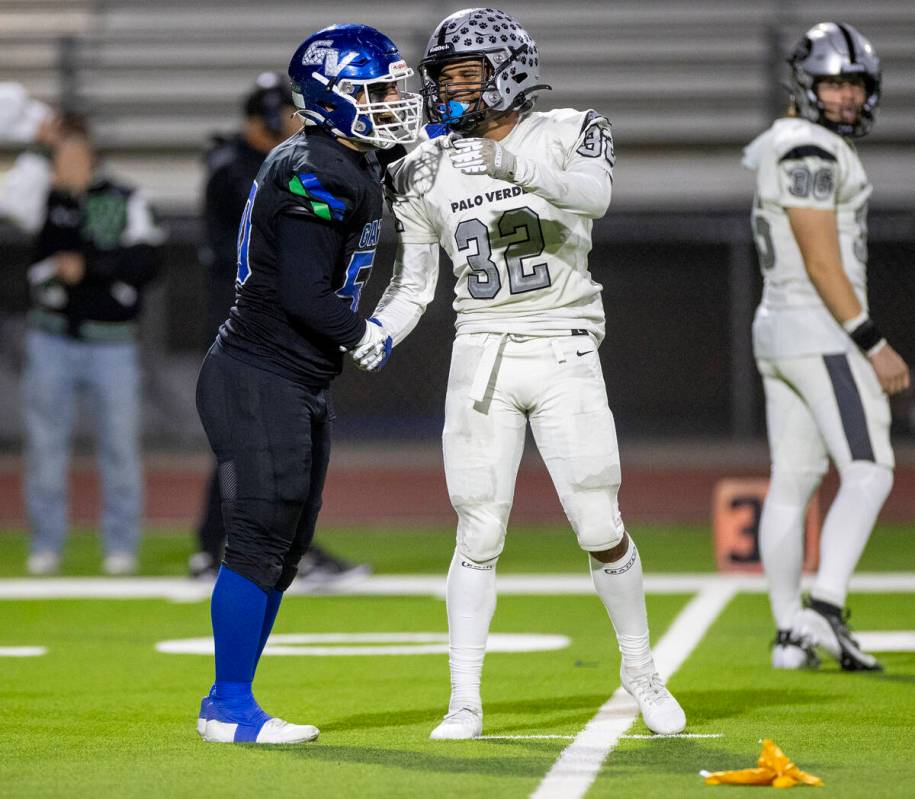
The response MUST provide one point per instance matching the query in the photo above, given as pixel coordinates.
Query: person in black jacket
(96, 250)
(232, 163)
(306, 245)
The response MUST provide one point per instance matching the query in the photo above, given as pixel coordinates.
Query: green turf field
(104, 713)
(663, 548)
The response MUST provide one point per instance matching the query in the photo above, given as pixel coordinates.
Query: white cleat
(273, 731)
(791, 652)
(826, 626)
(660, 711)
(461, 725)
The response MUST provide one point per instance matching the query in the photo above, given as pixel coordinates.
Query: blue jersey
(306, 245)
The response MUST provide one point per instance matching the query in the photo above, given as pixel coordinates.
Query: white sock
(781, 540)
(620, 587)
(848, 526)
(470, 595)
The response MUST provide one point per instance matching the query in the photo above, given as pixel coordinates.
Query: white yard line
(578, 765)
(23, 651)
(179, 589)
(627, 737)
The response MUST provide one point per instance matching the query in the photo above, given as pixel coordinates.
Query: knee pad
(595, 517)
(794, 487)
(259, 540)
(871, 480)
(481, 530)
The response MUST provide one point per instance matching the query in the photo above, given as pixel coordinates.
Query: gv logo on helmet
(320, 52)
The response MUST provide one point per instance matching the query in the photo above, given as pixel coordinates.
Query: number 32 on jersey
(520, 230)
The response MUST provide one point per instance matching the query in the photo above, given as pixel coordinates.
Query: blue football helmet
(341, 80)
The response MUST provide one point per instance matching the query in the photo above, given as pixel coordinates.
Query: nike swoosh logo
(579, 354)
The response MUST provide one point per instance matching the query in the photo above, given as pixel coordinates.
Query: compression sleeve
(411, 289)
(308, 250)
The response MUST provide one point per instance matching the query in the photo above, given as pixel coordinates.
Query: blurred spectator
(231, 165)
(95, 250)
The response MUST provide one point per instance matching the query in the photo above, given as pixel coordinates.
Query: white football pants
(497, 384)
(819, 406)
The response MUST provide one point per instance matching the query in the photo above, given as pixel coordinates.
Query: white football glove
(482, 157)
(374, 348)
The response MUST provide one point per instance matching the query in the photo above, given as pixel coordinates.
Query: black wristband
(866, 335)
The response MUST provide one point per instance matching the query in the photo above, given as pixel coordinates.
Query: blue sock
(274, 598)
(237, 610)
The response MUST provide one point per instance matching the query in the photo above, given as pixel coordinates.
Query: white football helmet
(509, 56)
(833, 49)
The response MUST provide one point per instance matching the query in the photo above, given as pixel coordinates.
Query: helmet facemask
(344, 79)
(507, 53)
(464, 109)
(373, 118)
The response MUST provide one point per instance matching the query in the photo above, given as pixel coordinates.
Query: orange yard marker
(736, 507)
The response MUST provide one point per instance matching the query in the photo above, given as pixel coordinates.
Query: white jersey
(802, 164)
(521, 260)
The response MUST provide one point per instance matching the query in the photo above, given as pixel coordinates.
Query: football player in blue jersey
(306, 244)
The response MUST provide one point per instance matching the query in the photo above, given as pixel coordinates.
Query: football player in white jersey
(826, 369)
(510, 194)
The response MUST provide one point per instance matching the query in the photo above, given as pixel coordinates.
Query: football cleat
(660, 711)
(827, 626)
(272, 731)
(789, 651)
(319, 570)
(204, 714)
(461, 725)
(214, 725)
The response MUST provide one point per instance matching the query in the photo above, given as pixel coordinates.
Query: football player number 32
(520, 227)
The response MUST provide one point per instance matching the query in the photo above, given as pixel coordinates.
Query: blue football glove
(374, 348)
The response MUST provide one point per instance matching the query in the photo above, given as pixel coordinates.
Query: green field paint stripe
(579, 763)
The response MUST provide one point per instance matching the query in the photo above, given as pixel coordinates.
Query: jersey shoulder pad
(794, 139)
(313, 179)
(586, 132)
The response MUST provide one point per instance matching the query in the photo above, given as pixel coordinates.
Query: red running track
(401, 494)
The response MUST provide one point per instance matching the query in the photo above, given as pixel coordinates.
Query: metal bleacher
(686, 82)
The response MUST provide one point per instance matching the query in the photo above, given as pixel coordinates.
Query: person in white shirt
(511, 194)
(826, 369)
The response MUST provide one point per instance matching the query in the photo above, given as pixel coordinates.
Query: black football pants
(271, 436)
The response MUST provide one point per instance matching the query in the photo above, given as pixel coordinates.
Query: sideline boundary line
(184, 589)
(579, 763)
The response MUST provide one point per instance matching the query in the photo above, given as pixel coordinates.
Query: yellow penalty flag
(775, 768)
